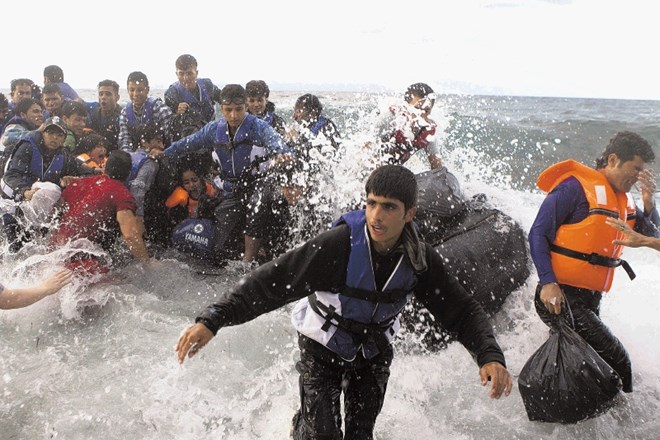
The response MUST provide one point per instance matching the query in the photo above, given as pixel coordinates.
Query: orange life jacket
(180, 197)
(583, 254)
(85, 159)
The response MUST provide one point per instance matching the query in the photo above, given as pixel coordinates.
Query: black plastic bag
(565, 380)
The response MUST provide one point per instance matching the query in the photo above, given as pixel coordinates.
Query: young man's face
(154, 144)
(386, 218)
(108, 98)
(99, 155)
(35, 114)
(234, 114)
(423, 104)
(187, 77)
(623, 175)
(257, 104)
(300, 114)
(76, 123)
(52, 101)
(21, 91)
(192, 184)
(138, 93)
(54, 138)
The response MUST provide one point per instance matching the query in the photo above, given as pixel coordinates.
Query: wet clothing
(106, 126)
(591, 236)
(316, 134)
(322, 265)
(15, 130)
(180, 197)
(323, 377)
(242, 160)
(31, 161)
(201, 100)
(402, 134)
(92, 204)
(143, 175)
(153, 111)
(235, 155)
(347, 320)
(567, 206)
(585, 307)
(272, 119)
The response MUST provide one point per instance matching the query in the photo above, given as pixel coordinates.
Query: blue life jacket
(204, 105)
(53, 173)
(318, 125)
(104, 124)
(138, 158)
(235, 158)
(358, 316)
(267, 117)
(195, 237)
(147, 115)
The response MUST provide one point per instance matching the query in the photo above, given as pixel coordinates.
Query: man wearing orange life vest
(572, 245)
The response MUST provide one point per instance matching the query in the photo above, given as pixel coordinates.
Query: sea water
(110, 372)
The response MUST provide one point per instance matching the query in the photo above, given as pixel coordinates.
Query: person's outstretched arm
(130, 230)
(632, 238)
(17, 298)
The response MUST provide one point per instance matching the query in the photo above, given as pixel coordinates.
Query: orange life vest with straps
(583, 254)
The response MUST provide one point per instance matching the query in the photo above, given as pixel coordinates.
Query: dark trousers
(323, 377)
(585, 306)
(230, 225)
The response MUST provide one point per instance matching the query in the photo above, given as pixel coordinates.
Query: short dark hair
(395, 182)
(74, 108)
(20, 82)
(421, 90)
(257, 88)
(185, 61)
(90, 141)
(232, 94)
(118, 165)
(53, 74)
(626, 145)
(310, 103)
(51, 88)
(4, 103)
(24, 105)
(109, 83)
(138, 77)
(147, 132)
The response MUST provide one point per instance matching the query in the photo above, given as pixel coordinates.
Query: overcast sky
(581, 48)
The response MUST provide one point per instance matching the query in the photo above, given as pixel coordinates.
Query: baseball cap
(232, 94)
(57, 122)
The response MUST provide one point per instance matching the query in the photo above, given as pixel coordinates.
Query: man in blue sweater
(575, 250)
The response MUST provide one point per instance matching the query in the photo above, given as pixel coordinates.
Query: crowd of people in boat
(175, 172)
(211, 171)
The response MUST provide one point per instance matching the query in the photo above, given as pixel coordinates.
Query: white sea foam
(110, 372)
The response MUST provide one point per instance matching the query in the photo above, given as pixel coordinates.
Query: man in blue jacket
(242, 146)
(191, 94)
(352, 283)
